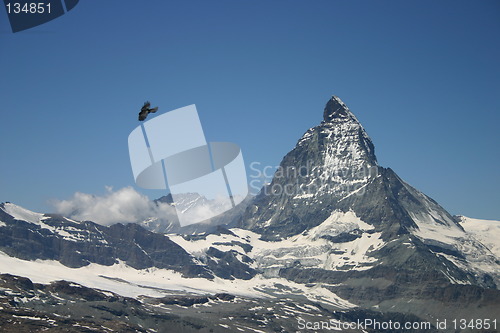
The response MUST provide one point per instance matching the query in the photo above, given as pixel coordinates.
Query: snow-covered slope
(22, 214)
(342, 242)
(72, 231)
(486, 231)
(130, 282)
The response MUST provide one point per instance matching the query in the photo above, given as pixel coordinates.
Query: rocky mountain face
(334, 235)
(330, 186)
(334, 167)
(328, 163)
(30, 236)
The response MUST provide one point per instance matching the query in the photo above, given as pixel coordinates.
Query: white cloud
(121, 206)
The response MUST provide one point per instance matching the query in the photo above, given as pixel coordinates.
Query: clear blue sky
(423, 77)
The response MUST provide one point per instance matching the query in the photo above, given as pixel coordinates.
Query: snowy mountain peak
(20, 213)
(336, 109)
(338, 150)
(330, 163)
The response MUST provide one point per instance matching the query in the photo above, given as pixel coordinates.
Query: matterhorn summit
(332, 174)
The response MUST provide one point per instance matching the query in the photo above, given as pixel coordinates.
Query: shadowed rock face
(76, 244)
(79, 244)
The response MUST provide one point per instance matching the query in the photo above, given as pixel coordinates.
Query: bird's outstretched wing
(153, 110)
(146, 106)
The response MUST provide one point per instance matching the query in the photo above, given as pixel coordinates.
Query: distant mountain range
(334, 236)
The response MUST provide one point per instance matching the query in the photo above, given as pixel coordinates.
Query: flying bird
(145, 110)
